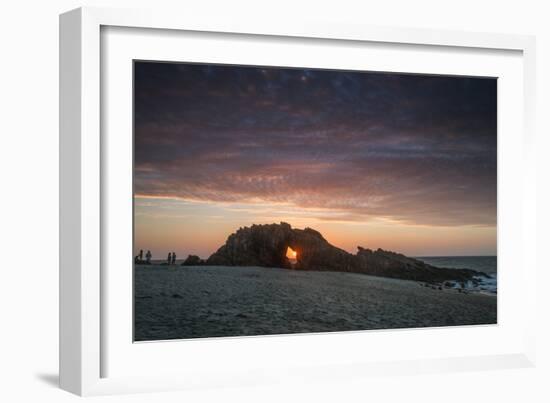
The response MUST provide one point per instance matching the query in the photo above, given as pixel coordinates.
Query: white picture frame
(85, 344)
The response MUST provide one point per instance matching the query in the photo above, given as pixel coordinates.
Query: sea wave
(485, 264)
(481, 284)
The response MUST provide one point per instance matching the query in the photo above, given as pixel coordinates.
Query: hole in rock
(292, 255)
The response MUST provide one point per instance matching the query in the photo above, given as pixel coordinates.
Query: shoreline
(434, 285)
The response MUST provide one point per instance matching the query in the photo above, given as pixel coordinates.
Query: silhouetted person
(173, 257)
(148, 256)
(141, 254)
(169, 258)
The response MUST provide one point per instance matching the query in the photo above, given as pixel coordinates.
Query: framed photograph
(244, 201)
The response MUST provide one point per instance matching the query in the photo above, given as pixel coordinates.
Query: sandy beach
(178, 302)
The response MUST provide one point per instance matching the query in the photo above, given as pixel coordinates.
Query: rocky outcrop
(192, 260)
(258, 245)
(390, 264)
(266, 245)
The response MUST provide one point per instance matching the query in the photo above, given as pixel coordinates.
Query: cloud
(416, 149)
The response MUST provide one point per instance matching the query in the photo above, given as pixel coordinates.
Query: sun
(291, 254)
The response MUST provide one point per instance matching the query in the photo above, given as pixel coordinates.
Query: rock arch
(266, 245)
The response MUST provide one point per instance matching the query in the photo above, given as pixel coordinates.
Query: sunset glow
(291, 254)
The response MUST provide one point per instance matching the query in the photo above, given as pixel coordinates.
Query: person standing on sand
(148, 256)
(141, 255)
(173, 257)
(169, 258)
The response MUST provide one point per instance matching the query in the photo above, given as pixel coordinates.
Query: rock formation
(192, 260)
(390, 264)
(266, 245)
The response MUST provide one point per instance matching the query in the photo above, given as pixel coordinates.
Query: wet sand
(181, 302)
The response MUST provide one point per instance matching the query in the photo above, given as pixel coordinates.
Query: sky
(398, 161)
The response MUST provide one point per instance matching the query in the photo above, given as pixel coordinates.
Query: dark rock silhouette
(137, 260)
(390, 264)
(266, 245)
(193, 260)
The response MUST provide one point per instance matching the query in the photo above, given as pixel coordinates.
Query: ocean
(484, 264)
